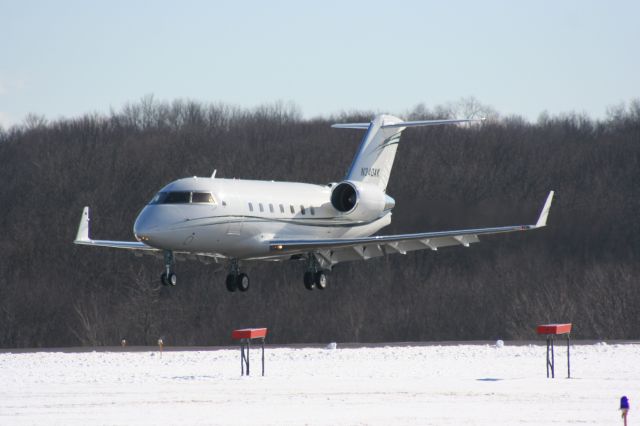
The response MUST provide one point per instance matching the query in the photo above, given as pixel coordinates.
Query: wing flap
(405, 241)
(362, 248)
(130, 245)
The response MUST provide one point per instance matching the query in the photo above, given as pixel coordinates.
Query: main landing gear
(168, 277)
(314, 277)
(235, 279)
(315, 280)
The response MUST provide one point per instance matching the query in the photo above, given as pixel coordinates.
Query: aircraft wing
(332, 251)
(138, 248)
(82, 237)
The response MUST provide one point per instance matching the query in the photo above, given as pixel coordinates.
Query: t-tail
(374, 160)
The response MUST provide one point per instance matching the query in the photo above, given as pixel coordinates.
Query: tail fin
(372, 164)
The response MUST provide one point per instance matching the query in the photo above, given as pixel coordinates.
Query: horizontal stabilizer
(429, 123)
(363, 126)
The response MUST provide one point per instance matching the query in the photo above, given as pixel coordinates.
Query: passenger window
(250, 207)
(177, 198)
(302, 209)
(313, 212)
(261, 208)
(271, 207)
(293, 211)
(281, 208)
(201, 197)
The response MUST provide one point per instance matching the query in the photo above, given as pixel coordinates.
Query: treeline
(582, 268)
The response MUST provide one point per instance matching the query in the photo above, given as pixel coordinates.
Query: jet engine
(360, 200)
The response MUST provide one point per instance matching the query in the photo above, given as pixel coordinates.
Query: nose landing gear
(169, 280)
(168, 277)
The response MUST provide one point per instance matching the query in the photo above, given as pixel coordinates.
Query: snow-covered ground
(418, 385)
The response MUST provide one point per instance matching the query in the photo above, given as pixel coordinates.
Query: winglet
(83, 227)
(542, 220)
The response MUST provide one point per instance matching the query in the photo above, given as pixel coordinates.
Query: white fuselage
(245, 214)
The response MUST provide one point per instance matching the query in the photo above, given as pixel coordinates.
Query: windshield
(183, 197)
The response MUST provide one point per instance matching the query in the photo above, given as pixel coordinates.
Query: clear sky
(66, 58)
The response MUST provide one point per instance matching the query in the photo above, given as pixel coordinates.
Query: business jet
(236, 221)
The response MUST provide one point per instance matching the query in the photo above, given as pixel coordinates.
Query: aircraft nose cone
(144, 226)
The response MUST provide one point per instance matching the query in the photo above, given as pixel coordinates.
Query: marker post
(161, 346)
(244, 336)
(551, 330)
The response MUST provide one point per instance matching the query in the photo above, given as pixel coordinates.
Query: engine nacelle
(359, 200)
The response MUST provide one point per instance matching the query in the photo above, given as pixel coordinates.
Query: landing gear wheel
(320, 280)
(168, 278)
(242, 282)
(172, 280)
(232, 284)
(309, 281)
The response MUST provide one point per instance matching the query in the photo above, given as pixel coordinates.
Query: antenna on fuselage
(213, 175)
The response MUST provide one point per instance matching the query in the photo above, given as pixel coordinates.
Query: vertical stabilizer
(374, 160)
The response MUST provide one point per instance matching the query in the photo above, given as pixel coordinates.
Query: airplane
(233, 220)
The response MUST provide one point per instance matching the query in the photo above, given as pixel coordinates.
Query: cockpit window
(177, 198)
(158, 197)
(183, 197)
(201, 197)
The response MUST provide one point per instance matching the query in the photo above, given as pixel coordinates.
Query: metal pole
(568, 357)
(242, 357)
(553, 361)
(263, 356)
(248, 345)
(547, 357)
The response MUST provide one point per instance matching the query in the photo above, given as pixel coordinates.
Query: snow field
(439, 385)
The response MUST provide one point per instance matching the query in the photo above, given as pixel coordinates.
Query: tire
(320, 280)
(232, 284)
(309, 282)
(243, 282)
(172, 280)
(163, 279)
